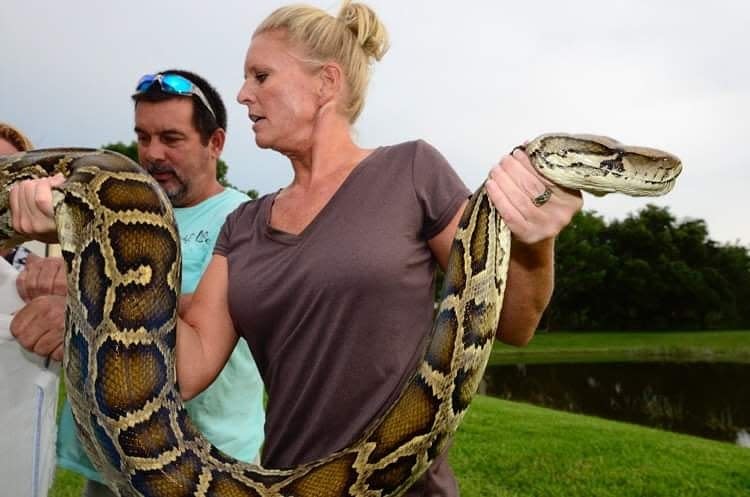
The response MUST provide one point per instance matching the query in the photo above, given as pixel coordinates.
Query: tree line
(647, 272)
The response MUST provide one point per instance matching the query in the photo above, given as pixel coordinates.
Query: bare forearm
(528, 291)
(190, 355)
(205, 332)
(200, 358)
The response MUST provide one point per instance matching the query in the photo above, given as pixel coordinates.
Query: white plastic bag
(28, 406)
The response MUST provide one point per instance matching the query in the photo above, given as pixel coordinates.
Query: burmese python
(122, 250)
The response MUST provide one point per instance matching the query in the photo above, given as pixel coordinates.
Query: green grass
(66, 484)
(506, 449)
(732, 346)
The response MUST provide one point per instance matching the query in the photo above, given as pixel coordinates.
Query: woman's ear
(331, 82)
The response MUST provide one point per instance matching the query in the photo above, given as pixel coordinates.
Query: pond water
(710, 400)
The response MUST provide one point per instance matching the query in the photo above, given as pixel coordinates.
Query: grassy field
(732, 346)
(506, 449)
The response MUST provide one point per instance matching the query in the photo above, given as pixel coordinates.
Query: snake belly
(122, 252)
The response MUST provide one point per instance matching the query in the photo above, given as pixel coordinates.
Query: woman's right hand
(32, 210)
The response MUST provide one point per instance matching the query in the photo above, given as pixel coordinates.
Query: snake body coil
(122, 251)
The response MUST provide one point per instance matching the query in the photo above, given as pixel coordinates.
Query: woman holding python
(330, 279)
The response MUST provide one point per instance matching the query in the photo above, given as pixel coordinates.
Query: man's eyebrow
(169, 131)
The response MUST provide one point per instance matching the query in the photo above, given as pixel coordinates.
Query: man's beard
(175, 193)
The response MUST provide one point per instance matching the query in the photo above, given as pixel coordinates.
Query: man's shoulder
(230, 196)
(224, 201)
(235, 195)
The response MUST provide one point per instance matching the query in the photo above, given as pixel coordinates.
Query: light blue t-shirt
(230, 411)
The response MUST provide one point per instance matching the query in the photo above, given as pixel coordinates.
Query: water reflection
(710, 400)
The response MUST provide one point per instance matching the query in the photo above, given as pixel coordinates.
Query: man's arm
(39, 325)
(42, 276)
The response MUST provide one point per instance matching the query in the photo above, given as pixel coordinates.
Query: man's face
(170, 149)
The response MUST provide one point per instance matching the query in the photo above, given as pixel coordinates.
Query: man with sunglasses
(180, 124)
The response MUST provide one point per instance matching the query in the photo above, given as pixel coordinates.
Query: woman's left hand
(514, 184)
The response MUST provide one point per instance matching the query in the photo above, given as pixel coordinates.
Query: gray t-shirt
(336, 317)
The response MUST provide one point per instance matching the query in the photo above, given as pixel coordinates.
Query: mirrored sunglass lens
(176, 84)
(145, 82)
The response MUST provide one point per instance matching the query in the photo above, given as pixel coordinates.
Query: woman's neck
(329, 156)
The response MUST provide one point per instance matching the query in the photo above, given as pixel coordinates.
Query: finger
(43, 195)
(34, 279)
(45, 283)
(57, 354)
(21, 285)
(50, 339)
(32, 282)
(504, 206)
(528, 177)
(25, 328)
(61, 280)
(43, 276)
(32, 259)
(512, 178)
(18, 208)
(56, 180)
(521, 156)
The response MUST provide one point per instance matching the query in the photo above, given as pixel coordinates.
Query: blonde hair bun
(370, 33)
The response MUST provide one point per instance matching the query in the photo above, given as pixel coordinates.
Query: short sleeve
(439, 190)
(223, 240)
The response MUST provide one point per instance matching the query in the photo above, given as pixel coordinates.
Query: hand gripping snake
(122, 252)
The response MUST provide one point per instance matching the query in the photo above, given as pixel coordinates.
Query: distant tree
(221, 173)
(647, 272)
(129, 150)
(583, 258)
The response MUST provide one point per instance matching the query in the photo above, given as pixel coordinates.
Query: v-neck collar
(292, 239)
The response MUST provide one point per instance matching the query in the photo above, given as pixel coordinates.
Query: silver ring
(543, 197)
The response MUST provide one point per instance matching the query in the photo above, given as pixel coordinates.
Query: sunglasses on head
(174, 84)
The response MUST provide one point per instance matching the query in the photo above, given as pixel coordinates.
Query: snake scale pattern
(122, 251)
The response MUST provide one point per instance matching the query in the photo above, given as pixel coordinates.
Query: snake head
(600, 165)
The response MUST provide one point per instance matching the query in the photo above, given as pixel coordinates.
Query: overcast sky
(474, 78)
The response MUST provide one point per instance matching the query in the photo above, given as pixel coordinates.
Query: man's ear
(216, 142)
(331, 82)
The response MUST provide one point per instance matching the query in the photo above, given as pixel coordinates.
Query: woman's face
(7, 148)
(281, 92)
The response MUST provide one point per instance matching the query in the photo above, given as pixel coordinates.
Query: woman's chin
(262, 142)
